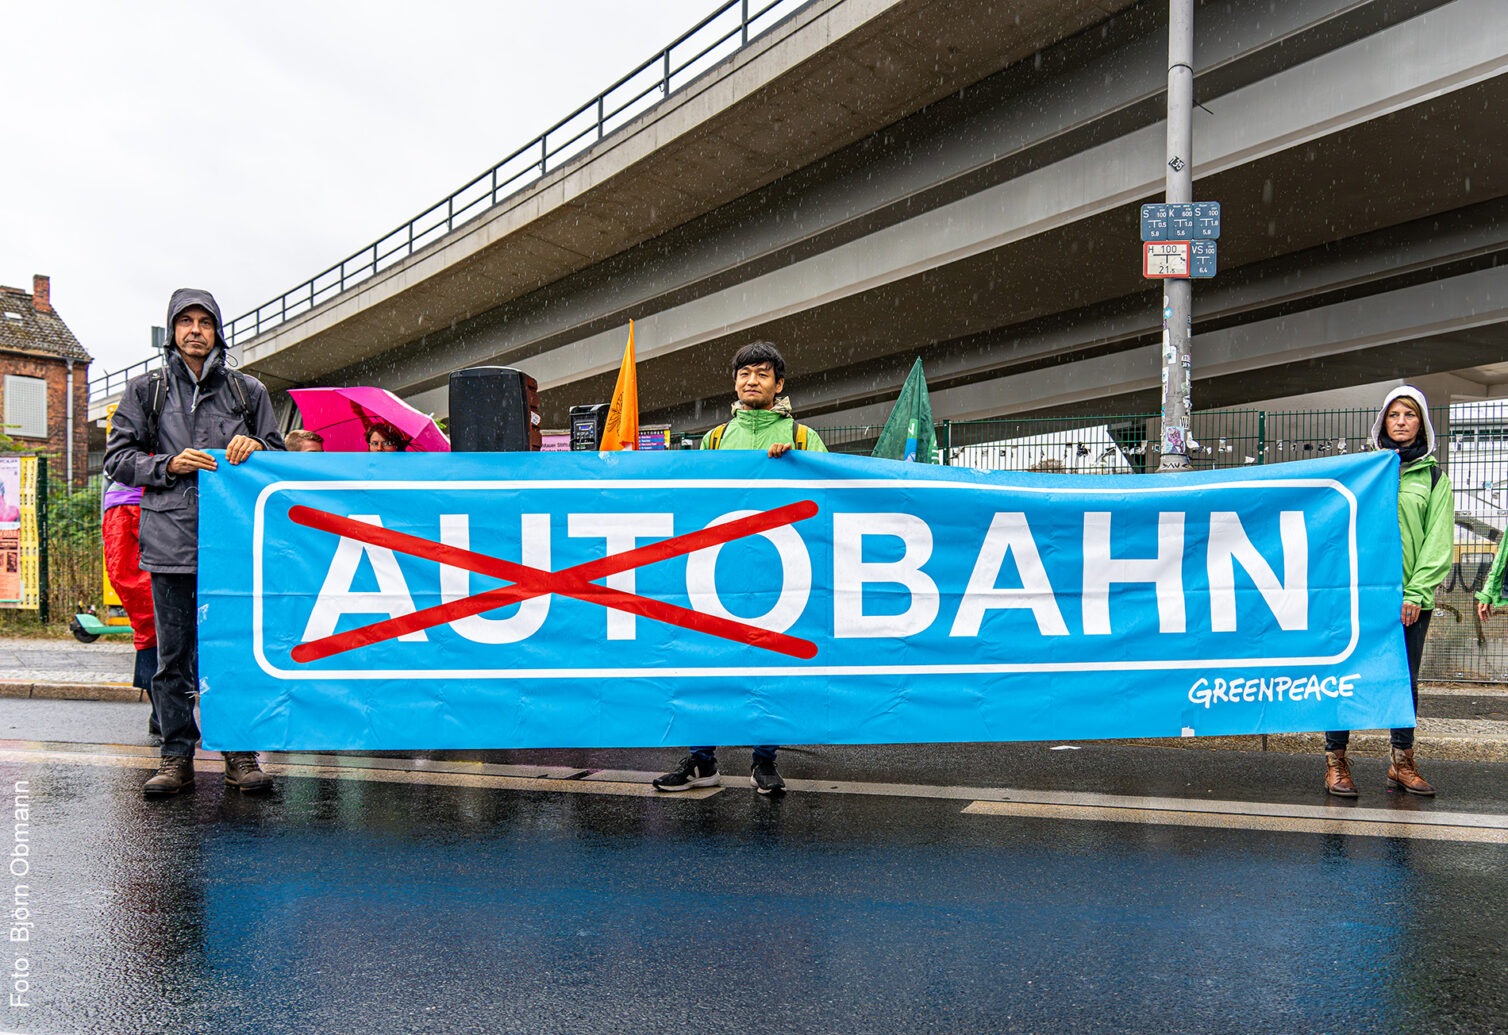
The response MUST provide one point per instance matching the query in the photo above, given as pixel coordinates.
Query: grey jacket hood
(1417, 397)
(185, 297)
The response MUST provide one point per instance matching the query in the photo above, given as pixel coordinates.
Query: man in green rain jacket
(761, 420)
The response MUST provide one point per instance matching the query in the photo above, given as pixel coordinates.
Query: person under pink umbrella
(384, 438)
(351, 419)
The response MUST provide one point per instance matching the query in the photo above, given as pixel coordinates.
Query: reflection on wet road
(475, 896)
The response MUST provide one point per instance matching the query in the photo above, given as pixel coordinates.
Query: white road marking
(1426, 824)
(1353, 822)
(433, 775)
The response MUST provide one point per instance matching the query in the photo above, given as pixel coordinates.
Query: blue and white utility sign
(385, 601)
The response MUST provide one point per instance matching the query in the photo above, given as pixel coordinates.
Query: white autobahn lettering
(795, 578)
(455, 583)
(1009, 537)
(1009, 534)
(337, 597)
(1101, 570)
(1229, 545)
(621, 533)
(851, 573)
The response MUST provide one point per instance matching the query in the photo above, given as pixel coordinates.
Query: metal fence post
(746, 22)
(947, 451)
(1261, 436)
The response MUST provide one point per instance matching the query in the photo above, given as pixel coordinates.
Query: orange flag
(622, 428)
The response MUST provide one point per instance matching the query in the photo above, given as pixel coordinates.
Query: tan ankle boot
(1402, 773)
(1338, 774)
(242, 771)
(174, 774)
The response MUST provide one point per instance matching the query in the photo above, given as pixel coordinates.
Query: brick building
(41, 365)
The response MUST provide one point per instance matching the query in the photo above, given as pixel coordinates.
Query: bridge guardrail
(115, 380)
(728, 29)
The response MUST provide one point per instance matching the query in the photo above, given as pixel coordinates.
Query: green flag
(908, 434)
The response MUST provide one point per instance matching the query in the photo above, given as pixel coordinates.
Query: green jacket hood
(760, 429)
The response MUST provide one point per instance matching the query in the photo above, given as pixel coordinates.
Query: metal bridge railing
(728, 29)
(115, 380)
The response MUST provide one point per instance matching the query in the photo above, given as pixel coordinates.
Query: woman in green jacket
(1426, 518)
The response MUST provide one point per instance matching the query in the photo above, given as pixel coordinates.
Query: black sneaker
(764, 777)
(692, 772)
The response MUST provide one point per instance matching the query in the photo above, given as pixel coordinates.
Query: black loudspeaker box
(493, 410)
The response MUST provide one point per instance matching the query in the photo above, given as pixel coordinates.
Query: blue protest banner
(384, 601)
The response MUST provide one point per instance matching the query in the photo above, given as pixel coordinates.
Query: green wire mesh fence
(1472, 447)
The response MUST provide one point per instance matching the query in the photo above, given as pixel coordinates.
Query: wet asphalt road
(343, 905)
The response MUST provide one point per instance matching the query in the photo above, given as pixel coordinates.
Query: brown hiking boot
(1338, 775)
(175, 773)
(242, 771)
(1402, 773)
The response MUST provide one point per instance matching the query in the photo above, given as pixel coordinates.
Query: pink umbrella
(344, 416)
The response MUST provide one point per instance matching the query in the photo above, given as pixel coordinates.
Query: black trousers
(175, 601)
(1413, 643)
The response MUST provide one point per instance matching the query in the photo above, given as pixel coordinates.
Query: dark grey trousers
(175, 601)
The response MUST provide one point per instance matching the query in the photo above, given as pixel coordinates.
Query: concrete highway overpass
(874, 180)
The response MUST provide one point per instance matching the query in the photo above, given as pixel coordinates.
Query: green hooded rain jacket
(1426, 512)
(761, 429)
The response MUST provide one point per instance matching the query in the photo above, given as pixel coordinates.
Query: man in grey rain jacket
(196, 404)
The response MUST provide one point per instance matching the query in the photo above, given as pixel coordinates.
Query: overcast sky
(244, 148)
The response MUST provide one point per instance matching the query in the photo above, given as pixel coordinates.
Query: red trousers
(123, 565)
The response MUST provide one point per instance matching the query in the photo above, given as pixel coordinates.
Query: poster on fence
(18, 532)
(386, 601)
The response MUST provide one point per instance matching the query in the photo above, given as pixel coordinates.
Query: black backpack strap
(1434, 477)
(240, 403)
(153, 405)
(157, 398)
